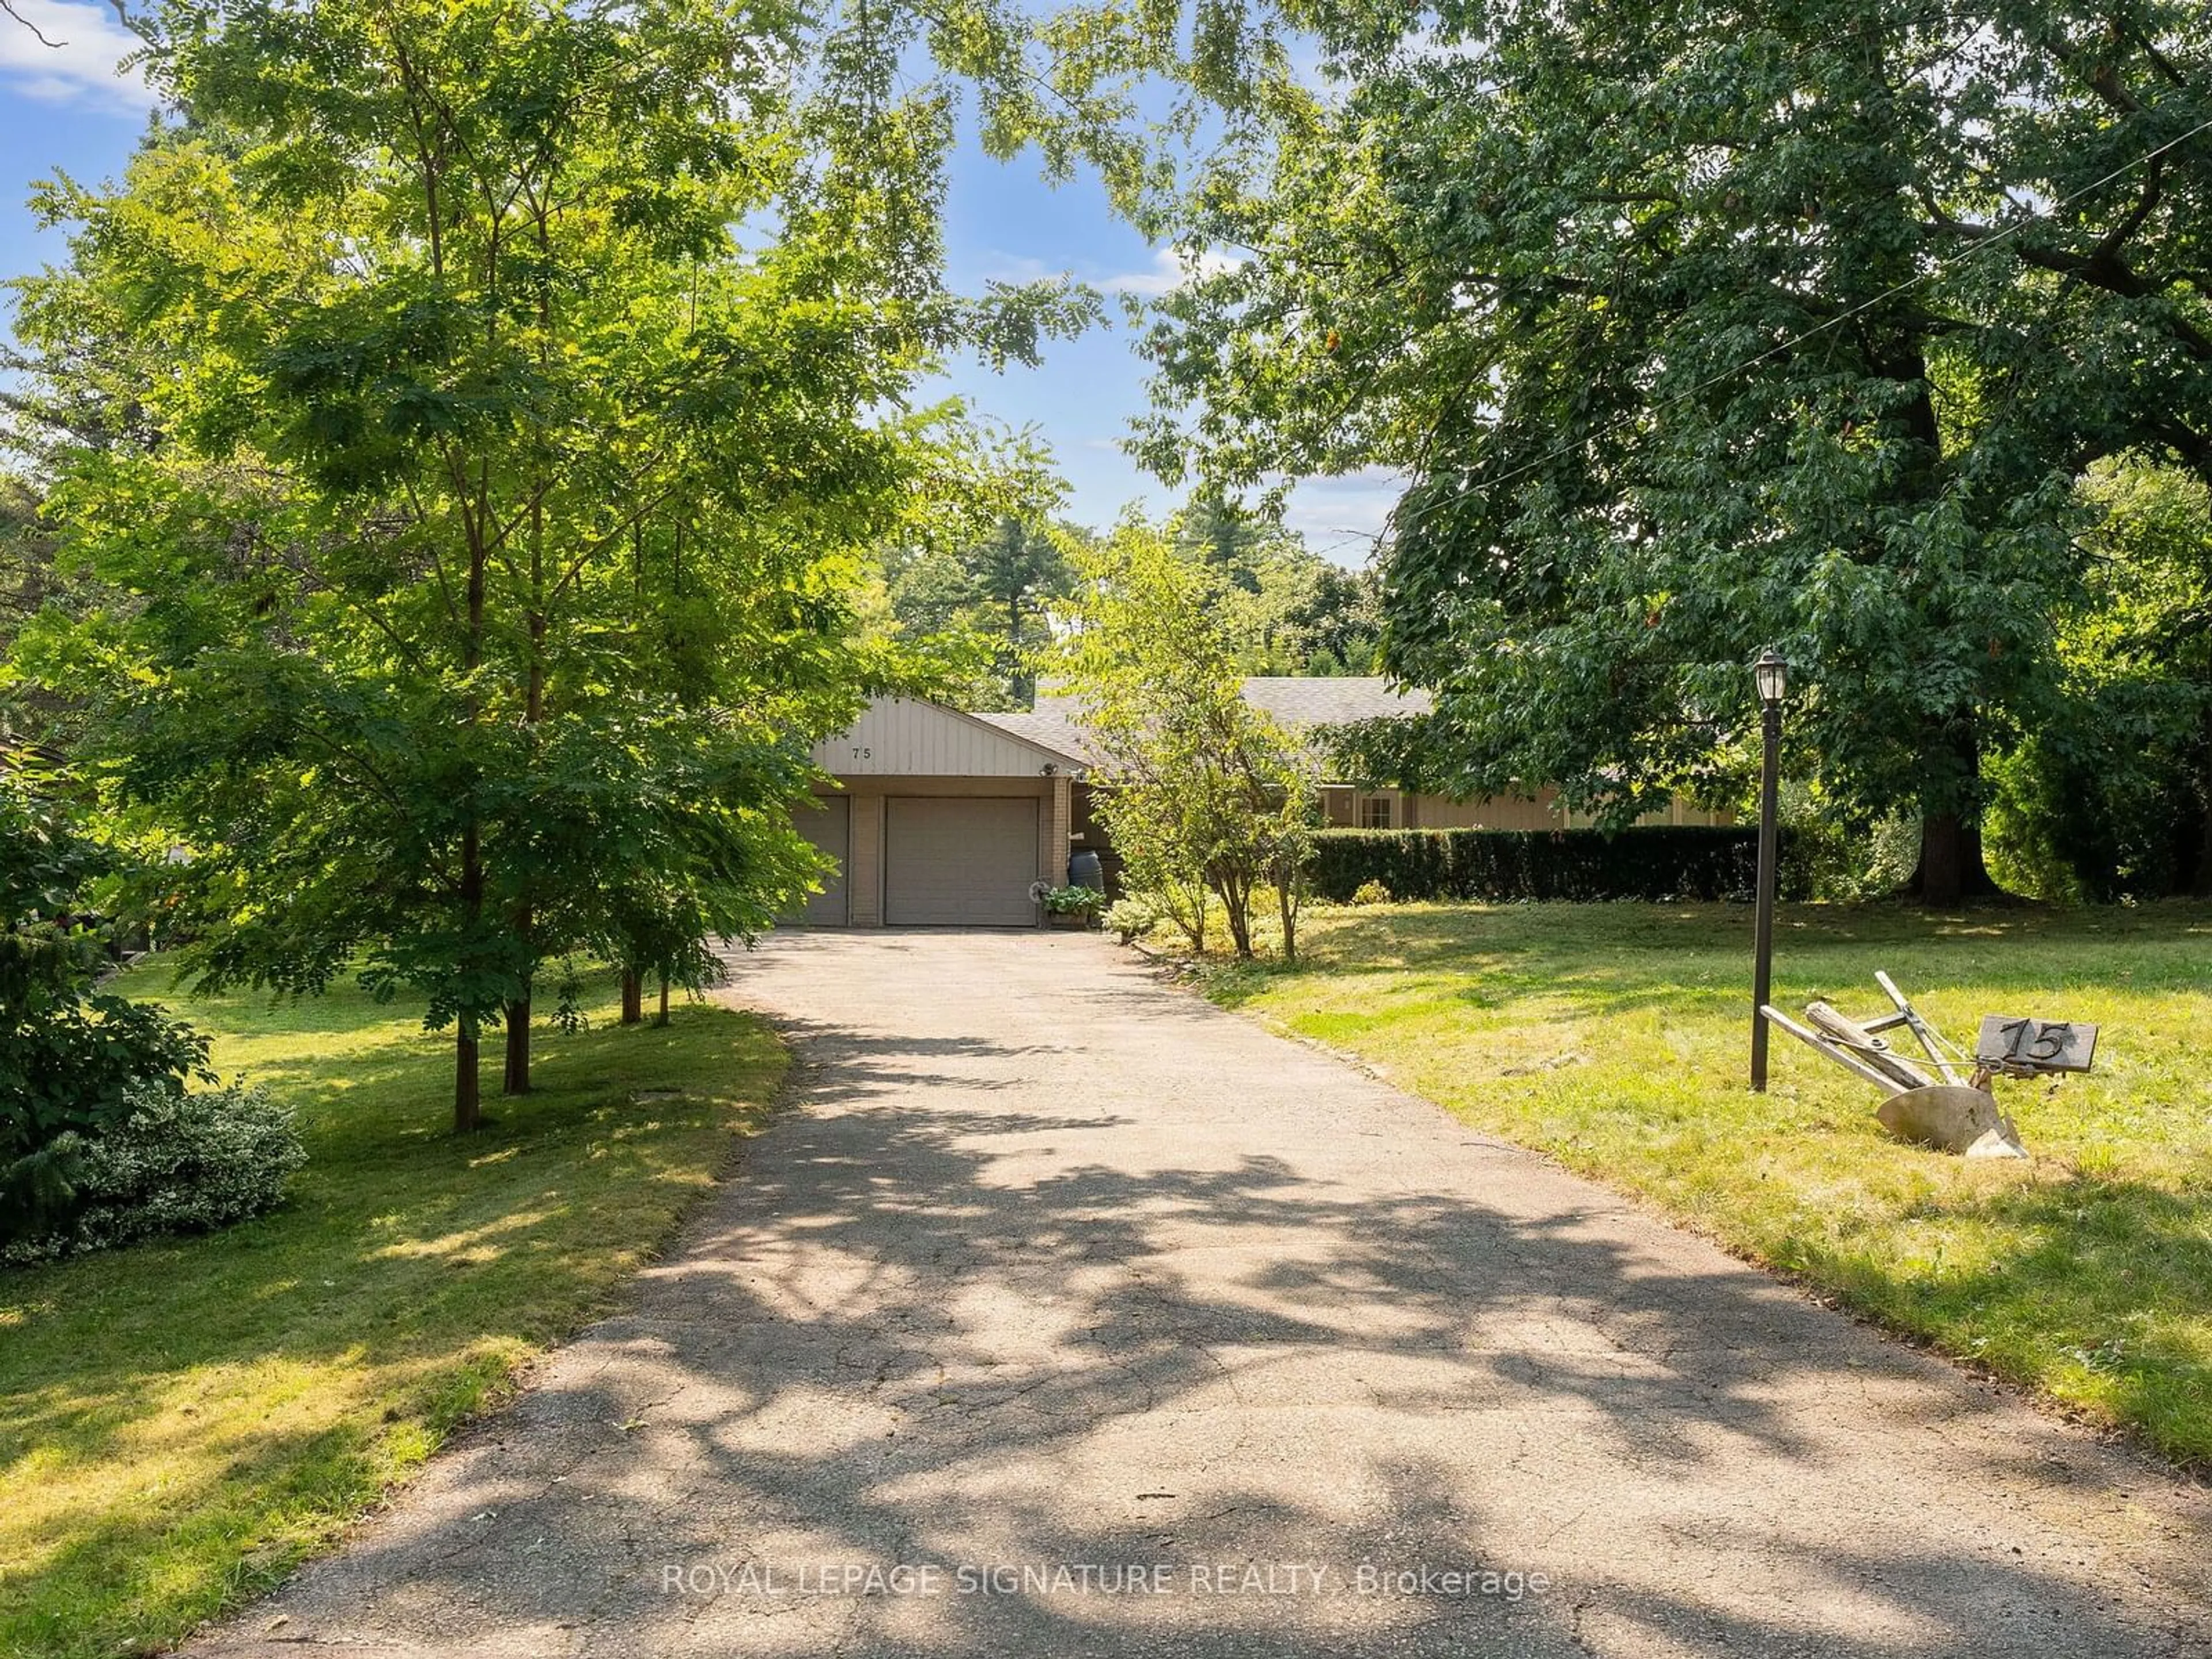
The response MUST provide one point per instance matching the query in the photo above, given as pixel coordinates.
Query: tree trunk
(468, 1097)
(517, 1079)
(633, 996)
(1951, 868)
(1286, 903)
(662, 1018)
(2201, 885)
(1236, 902)
(467, 1089)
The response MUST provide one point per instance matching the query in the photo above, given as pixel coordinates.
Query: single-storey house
(944, 819)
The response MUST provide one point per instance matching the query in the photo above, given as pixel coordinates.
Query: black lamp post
(1772, 676)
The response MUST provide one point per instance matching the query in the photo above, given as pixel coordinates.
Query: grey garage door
(959, 863)
(829, 826)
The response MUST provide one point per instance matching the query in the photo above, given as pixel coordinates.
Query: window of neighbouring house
(1375, 811)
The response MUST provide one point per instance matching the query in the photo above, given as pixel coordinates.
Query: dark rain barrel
(1083, 870)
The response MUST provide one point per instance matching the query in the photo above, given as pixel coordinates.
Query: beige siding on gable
(901, 769)
(1492, 812)
(898, 737)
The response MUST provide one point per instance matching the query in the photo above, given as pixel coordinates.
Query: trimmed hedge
(1578, 865)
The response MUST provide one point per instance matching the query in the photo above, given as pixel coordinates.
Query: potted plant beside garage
(1068, 907)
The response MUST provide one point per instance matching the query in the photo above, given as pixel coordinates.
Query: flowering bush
(173, 1163)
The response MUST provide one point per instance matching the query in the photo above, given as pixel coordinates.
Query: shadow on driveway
(1050, 1272)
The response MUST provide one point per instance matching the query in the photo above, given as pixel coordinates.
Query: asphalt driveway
(1061, 1314)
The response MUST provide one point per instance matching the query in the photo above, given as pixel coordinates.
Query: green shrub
(1826, 857)
(173, 1163)
(1066, 900)
(1370, 892)
(1579, 865)
(74, 1062)
(69, 1079)
(1134, 914)
(2069, 821)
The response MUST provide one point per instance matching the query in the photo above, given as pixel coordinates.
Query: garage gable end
(899, 737)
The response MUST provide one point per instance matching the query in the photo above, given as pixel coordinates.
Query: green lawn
(1614, 1037)
(181, 1422)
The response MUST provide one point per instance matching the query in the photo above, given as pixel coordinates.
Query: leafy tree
(1711, 326)
(981, 605)
(1201, 794)
(1021, 569)
(2116, 797)
(80, 396)
(1217, 534)
(486, 551)
(1286, 609)
(1303, 616)
(1336, 620)
(29, 583)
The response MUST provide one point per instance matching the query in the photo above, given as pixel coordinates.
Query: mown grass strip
(1614, 1038)
(182, 1422)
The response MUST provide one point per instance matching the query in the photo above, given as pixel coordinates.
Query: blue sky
(67, 108)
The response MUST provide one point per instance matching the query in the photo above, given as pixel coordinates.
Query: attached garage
(950, 862)
(937, 819)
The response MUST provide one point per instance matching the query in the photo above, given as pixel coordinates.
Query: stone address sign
(2023, 1047)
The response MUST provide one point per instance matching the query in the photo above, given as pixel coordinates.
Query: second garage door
(952, 862)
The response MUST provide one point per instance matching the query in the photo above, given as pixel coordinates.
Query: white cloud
(1342, 518)
(1169, 271)
(81, 69)
(1018, 269)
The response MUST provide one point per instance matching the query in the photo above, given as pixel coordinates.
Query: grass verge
(182, 1422)
(1615, 1038)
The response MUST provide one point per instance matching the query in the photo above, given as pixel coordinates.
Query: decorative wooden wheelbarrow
(1956, 1109)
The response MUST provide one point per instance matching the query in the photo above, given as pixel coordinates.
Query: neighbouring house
(942, 819)
(1312, 704)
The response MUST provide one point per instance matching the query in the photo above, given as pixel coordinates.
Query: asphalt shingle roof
(1052, 728)
(1299, 703)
